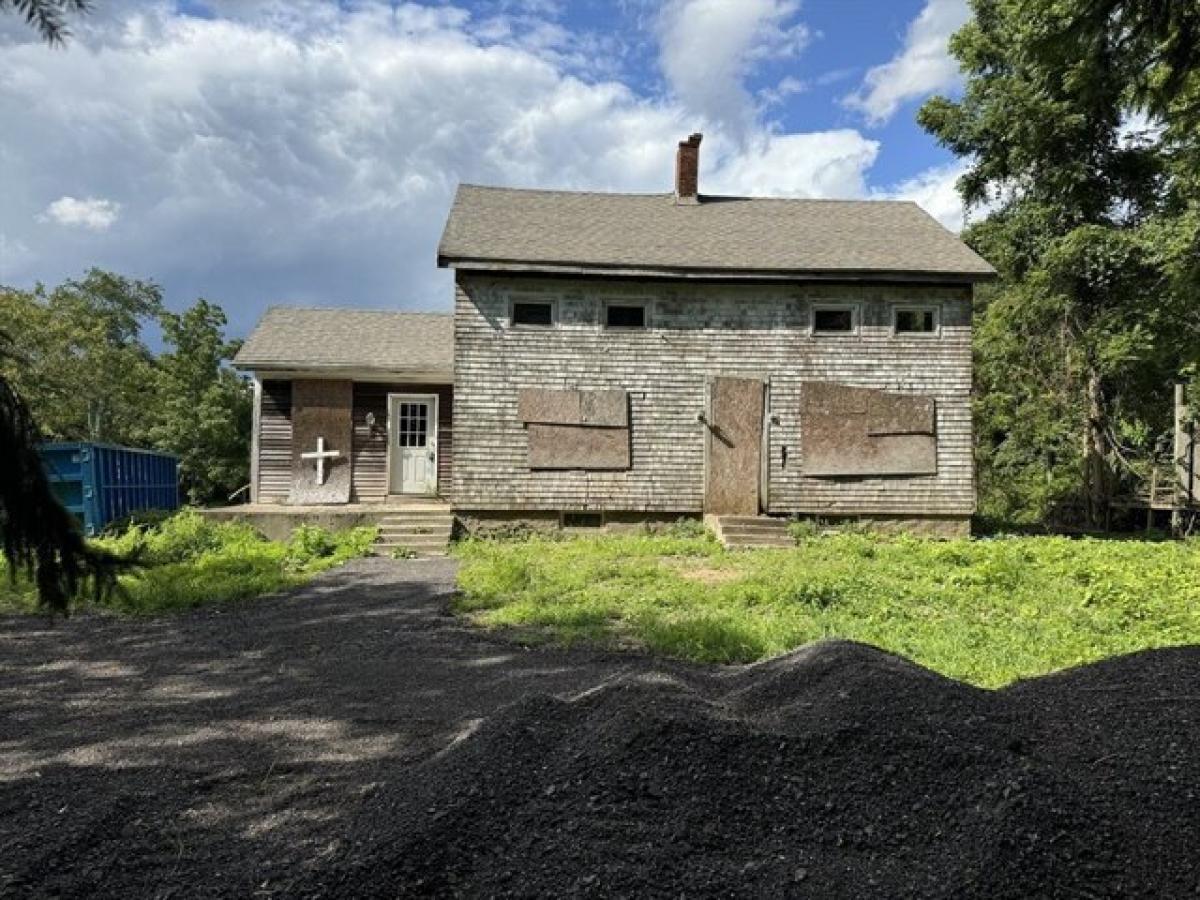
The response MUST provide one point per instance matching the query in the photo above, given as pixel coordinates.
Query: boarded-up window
(851, 431)
(575, 429)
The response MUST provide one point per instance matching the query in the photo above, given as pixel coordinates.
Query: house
(636, 357)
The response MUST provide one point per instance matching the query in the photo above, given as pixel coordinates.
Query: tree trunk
(1096, 478)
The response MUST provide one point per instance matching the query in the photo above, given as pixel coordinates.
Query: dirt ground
(228, 752)
(352, 739)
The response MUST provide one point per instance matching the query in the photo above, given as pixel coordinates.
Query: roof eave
(711, 274)
(304, 368)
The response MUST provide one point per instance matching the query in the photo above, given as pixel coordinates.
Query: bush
(185, 536)
(313, 549)
(189, 559)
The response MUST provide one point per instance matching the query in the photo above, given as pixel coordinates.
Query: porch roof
(351, 340)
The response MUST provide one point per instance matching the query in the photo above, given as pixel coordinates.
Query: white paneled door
(412, 436)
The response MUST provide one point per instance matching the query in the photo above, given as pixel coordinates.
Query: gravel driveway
(231, 751)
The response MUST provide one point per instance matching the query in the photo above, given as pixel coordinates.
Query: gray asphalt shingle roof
(293, 338)
(731, 234)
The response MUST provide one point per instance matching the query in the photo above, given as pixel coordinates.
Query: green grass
(984, 611)
(189, 561)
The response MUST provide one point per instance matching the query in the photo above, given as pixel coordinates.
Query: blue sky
(257, 152)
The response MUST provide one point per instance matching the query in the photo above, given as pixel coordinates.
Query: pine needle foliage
(38, 536)
(47, 17)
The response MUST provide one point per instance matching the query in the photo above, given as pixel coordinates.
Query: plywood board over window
(321, 413)
(851, 431)
(571, 429)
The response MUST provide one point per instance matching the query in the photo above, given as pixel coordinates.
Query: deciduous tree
(205, 408)
(1078, 124)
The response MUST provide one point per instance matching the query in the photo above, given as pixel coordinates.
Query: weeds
(986, 611)
(189, 560)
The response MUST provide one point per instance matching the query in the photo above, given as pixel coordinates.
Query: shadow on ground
(227, 752)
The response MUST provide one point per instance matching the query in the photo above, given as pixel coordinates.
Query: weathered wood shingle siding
(275, 442)
(370, 475)
(696, 331)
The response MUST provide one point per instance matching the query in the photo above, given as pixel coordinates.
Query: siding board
(275, 442)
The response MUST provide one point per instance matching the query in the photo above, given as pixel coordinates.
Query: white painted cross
(320, 455)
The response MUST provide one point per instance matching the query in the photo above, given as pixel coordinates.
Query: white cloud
(777, 95)
(709, 46)
(92, 213)
(935, 192)
(821, 164)
(308, 153)
(922, 66)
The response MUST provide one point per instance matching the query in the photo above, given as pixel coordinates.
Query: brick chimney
(687, 170)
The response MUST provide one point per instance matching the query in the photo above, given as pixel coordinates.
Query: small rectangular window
(525, 312)
(834, 320)
(916, 321)
(625, 315)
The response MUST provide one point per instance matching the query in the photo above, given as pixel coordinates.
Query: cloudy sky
(257, 152)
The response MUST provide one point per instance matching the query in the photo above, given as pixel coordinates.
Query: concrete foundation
(944, 527)
(277, 522)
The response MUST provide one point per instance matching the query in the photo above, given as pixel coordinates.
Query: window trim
(646, 303)
(532, 299)
(855, 319)
(935, 308)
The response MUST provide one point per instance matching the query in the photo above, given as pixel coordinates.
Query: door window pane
(412, 424)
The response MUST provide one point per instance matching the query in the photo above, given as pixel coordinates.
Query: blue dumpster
(103, 482)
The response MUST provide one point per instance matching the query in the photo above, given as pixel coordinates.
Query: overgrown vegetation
(986, 611)
(1079, 130)
(38, 537)
(188, 560)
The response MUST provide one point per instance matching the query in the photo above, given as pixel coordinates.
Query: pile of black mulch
(836, 771)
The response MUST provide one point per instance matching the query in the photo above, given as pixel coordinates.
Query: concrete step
(769, 521)
(412, 528)
(423, 518)
(753, 529)
(783, 544)
(425, 537)
(414, 540)
(418, 552)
